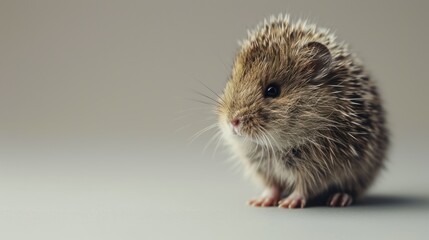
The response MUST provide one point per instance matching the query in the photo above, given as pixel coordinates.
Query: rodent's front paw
(263, 202)
(295, 200)
(269, 198)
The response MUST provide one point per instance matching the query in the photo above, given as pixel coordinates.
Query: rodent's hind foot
(294, 200)
(340, 200)
(269, 198)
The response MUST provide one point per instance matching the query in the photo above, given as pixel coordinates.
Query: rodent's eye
(272, 91)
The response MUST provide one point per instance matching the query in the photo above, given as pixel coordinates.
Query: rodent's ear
(318, 59)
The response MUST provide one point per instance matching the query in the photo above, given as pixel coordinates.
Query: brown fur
(325, 132)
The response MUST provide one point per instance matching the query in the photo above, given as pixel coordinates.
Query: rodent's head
(276, 91)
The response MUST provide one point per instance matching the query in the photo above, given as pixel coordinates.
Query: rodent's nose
(235, 122)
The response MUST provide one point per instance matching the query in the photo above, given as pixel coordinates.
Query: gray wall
(113, 71)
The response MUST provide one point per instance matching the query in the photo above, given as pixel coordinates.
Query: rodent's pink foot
(294, 200)
(340, 200)
(269, 198)
(263, 202)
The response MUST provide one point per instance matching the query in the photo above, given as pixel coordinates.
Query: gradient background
(95, 120)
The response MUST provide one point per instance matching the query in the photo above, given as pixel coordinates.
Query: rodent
(303, 116)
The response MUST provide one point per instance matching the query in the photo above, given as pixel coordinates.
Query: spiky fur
(317, 137)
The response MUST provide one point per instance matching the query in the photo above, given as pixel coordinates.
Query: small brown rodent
(304, 117)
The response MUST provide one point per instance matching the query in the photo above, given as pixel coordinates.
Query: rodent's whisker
(219, 139)
(184, 116)
(177, 119)
(261, 158)
(267, 140)
(200, 101)
(217, 95)
(208, 97)
(204, 110)
(202, 131)
(182, 128)
(276, 143)
(212, 138)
